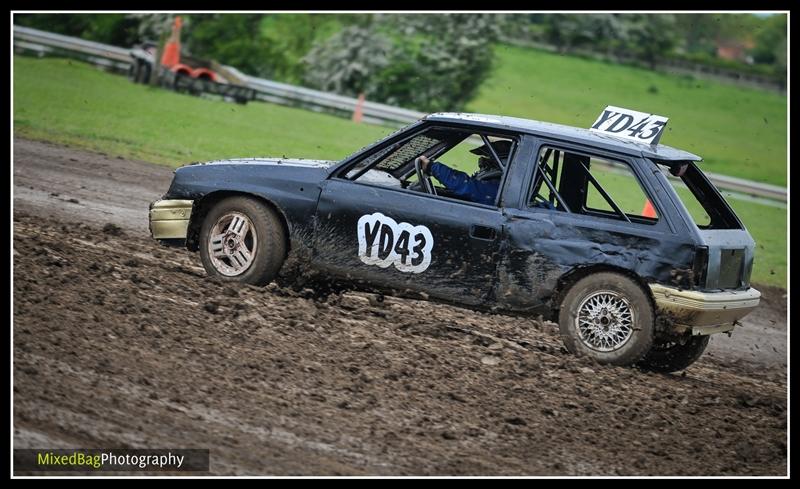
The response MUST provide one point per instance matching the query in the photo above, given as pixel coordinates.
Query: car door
(404, 240)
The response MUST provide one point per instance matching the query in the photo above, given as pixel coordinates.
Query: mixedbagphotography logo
(111, 460)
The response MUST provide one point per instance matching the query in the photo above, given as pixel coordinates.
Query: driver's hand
(424, 162)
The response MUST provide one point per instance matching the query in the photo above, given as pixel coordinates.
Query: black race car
(585, 226)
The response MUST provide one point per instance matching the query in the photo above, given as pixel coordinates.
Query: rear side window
(703, 202)
(586, 184)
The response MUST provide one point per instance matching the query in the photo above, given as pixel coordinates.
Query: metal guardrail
(112, 57)
(748, 187)
(47, 43)
(71, 43)
(283, 93)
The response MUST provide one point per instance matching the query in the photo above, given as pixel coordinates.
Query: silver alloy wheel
(605, 321)
(232, 244)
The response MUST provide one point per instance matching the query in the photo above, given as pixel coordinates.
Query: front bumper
(704, 312)
(169, 219)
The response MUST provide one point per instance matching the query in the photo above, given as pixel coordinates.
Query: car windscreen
(397, 158)
(702, 200)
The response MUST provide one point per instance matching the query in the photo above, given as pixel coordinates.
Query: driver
(481, 187)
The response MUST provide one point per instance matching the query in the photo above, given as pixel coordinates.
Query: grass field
(738, 131)
(75, 104)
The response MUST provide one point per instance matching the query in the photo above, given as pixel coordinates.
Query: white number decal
(639, 126)
(384, 242)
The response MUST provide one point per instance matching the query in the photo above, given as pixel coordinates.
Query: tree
(606, 32)
(294, 35)
(116, 29)
(650, 36)
(233, 39)
(427, 62)
(697, 33)
(770, 42)
(349, 61)
(565, 31)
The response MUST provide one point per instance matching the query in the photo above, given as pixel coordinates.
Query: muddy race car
(623, 241)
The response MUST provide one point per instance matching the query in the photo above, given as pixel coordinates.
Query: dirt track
(119, 342)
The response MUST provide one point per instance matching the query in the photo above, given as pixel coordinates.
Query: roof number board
(630, 124)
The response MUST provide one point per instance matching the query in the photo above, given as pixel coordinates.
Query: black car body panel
(292, 186)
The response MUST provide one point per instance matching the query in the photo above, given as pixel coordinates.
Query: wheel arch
(203, 205)
(571, 277)
(182, 69)
(203, 74)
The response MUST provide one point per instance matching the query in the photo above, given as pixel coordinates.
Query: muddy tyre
(675, 355)
(608, 317)
(242, 240)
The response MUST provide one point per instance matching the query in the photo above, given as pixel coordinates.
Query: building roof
(566, 133)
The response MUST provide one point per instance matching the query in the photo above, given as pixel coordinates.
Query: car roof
(566, 133)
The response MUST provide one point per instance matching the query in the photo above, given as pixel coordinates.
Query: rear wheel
(133, 71)
(242, 240)
(608, 317)
(180, 82)
(674, 355)
(142, 72)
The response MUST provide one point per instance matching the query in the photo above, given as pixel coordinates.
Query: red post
(358, 113)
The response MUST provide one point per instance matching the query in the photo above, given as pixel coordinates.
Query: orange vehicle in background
(172, 57)
(185, 73)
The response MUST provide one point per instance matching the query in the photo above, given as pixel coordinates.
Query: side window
(704, 203)
(591, 185)
(466, 169)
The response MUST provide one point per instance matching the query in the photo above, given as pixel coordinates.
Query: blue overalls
(462, 185)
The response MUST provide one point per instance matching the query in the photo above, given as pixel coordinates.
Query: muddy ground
(119, 342)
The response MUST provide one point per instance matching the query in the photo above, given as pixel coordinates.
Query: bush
(348, 62)
(293, 36)
(234, 40)
(427, 62)
(116, 29)
(772, 72)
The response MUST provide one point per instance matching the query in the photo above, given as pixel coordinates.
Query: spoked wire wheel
(232, 244)
(605, 321)
(608, 317)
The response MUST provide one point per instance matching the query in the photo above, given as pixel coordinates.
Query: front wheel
(673, 355)
(608, 317)
(242, 240)
(143, 74)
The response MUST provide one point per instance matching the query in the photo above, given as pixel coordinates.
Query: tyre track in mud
(120, 342)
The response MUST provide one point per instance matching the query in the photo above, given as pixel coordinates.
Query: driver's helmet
(487, 166)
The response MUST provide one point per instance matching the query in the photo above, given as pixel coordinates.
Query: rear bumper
(704, 312)
(169, 219)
